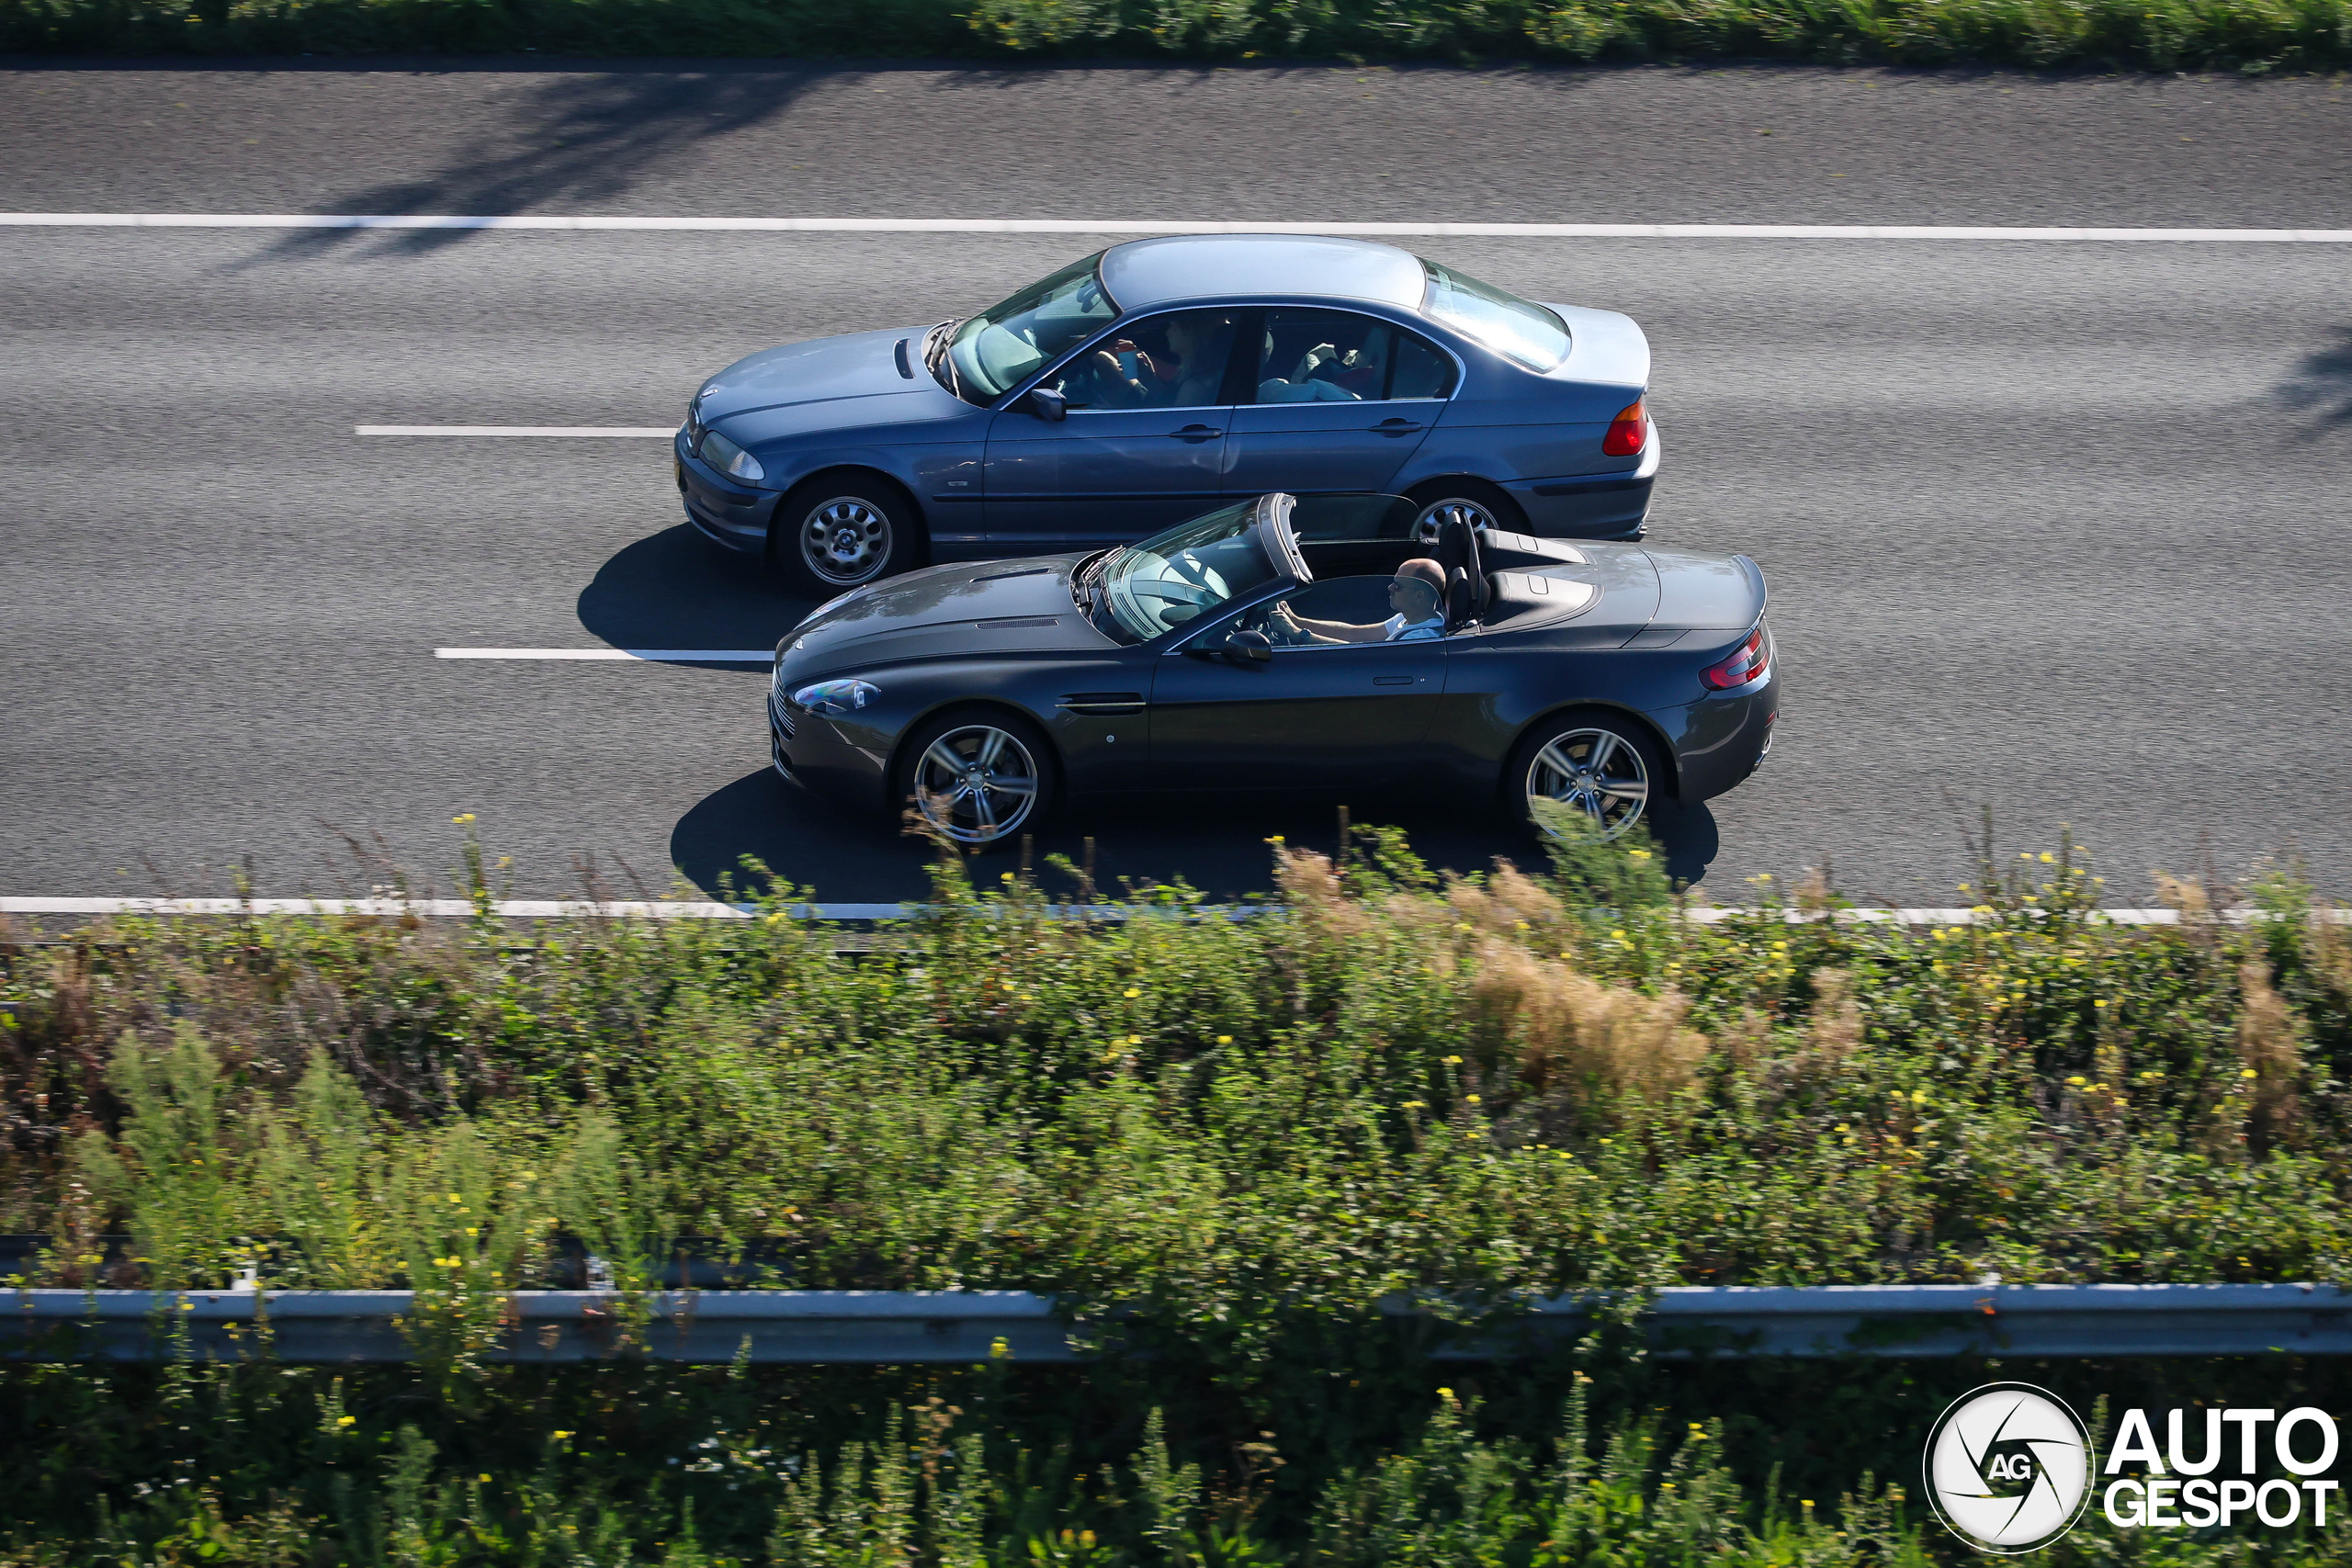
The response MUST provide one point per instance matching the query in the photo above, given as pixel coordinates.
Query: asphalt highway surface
(2064, 530)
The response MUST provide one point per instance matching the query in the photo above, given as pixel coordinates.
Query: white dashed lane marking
(663, 432)
(618, 655)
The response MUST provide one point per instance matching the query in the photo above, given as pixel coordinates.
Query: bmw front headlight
(835, 698)
(728, 459)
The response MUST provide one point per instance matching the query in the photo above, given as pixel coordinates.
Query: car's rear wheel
(1595, 765)
(842, 531)
(1473, 501)
(978, 778)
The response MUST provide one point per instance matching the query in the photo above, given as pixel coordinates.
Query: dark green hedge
(2160, 35)
(1588, 1461)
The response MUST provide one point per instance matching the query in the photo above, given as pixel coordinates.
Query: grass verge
(1237, 1135)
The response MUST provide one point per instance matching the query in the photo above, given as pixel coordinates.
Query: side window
(1419, 371)
(1405, 607)
(1338, 356)
(1322, 356)
(1175, 361)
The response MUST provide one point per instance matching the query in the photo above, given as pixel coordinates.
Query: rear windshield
(1517, 329)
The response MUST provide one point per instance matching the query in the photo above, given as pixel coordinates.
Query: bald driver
(1414, 594)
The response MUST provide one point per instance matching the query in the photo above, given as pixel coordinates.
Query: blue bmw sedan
(1154, 381)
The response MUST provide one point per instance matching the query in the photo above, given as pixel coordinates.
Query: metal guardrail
(806, 1326)
(2022, 1321)
(848, 1327)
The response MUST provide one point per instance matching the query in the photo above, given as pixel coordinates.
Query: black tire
(1555, 758)
(839, 530)
(974, 815)
(1481, 504)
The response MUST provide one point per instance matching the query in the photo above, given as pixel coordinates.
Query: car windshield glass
(1183, 574)
(1000, 345)
(1515, 328)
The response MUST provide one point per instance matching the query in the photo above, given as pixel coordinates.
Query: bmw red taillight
(1629, 431)
(1751, 660)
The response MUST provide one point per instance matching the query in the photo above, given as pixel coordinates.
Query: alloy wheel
(845, 540)
(1429, 527)
(976, 784)
(1597, 771)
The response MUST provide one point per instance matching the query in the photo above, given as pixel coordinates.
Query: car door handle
(1196, 433)
(1398, 426)
(1392, 680)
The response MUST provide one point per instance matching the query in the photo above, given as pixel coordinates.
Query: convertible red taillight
(1629, 431)
(1751, 660)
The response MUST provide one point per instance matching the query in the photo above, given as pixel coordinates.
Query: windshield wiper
(1082, 582)
(935, 355)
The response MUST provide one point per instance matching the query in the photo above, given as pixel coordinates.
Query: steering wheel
(1280, 629)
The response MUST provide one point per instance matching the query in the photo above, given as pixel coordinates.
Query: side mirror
(1048, 404)
(1248, 648)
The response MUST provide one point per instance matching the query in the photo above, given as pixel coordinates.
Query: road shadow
(573, 142)
(1216, 843)
(2321, 385)
(678, 590)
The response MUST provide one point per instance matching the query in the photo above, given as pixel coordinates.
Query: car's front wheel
(839, 532)
(1593, 767)
(978, 778)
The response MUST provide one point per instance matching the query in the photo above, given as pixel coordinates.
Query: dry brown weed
(2270, 1044)
(1568, 1026)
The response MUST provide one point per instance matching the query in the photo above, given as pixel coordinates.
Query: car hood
(992, 607)
(826, 369)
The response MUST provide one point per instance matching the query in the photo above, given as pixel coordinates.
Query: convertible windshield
(1515, 328)
(1183, 574)
(1001, 344)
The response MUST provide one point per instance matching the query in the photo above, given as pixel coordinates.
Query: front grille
(781, 711)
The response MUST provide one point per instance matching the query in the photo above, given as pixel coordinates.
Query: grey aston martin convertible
(1148, 383)
(1286, 643)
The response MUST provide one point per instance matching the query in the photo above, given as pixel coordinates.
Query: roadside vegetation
(1226, 1140)
(2254, 36)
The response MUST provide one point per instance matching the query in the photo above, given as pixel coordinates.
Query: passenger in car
(1416, 596)
(1356, 372)
(1282, 389)
(1184, 374)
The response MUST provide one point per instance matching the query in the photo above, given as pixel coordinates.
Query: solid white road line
(600, 655)
(567, 908)
(631, 431)
(1154, 226)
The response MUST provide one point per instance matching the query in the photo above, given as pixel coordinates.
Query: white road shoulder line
(617, 655)
(1156, 226)
(570, 908)
(628, 431)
